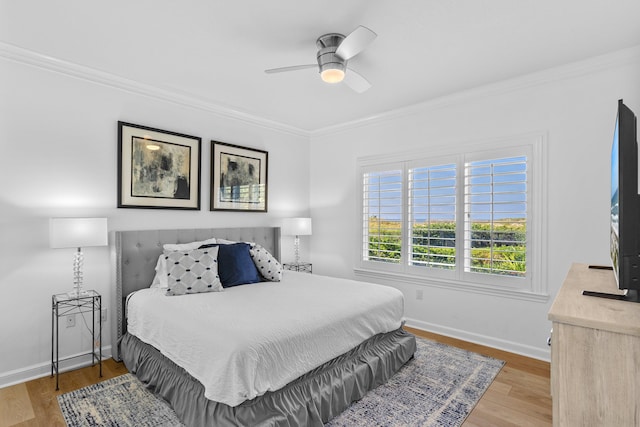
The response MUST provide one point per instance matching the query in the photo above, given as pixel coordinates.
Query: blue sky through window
(433, 194)
(496, 190)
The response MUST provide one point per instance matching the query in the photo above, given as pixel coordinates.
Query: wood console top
(573, 308)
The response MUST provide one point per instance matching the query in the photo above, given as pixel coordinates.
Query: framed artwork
(238, 178)
(157, 169)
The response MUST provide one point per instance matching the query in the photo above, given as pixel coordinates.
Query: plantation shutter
(432, 216)
(382, 215)
(496, 216)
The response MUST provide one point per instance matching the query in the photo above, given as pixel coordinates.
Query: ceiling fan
(334, 52)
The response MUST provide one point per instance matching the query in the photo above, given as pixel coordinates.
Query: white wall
(58, 135)
(59, 151)
(575, 105)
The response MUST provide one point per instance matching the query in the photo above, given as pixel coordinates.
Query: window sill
(450, 284)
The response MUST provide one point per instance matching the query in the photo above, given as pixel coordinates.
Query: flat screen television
(624, 241)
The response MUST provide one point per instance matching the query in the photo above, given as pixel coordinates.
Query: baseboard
(510, 346)
(40, 370)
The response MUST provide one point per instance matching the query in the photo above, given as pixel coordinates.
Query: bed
(292, 352)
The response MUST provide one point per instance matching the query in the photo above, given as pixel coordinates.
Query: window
(495, 226)
(469, 219)
(382, 216)
(432, 216)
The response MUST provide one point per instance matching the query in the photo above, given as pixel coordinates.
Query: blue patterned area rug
(119, 402)
(439, 387)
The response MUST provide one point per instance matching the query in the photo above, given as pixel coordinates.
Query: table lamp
(77, 233)
(296, 227)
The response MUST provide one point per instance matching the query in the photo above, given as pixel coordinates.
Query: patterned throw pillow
(193, 271)
(267, 265)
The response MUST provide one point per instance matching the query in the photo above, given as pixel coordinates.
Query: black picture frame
(158, 169)
(239, 178)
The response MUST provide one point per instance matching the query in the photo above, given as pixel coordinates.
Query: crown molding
(572, 70)
(70, 69)
(24, 56)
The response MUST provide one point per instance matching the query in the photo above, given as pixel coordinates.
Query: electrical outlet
(419, 294)
(104, 315)
(70, 320)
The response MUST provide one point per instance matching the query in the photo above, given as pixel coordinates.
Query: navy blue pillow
(235, 266)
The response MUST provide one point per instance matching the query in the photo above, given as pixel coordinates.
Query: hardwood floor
(34, 403)
(519, 396)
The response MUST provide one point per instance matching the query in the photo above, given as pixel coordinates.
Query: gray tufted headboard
(134, 255)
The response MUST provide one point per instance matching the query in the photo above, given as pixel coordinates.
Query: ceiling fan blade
(355, 42)
(355, 81)
(292, 68)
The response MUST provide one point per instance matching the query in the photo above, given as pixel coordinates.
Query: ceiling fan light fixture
(331, 65)
(334, 52)
(332, 75)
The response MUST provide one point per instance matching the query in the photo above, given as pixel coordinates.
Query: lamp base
(78, 261)
(296, 249)
(77, 293)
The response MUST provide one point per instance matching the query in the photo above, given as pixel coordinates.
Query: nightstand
(306, 267)
(64, 305)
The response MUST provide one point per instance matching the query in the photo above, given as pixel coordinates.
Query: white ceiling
(216, 51)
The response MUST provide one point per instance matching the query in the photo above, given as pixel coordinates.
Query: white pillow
(227, 242)
(187, 246)
(160, 268)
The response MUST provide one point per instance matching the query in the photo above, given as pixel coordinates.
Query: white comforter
(250, 339)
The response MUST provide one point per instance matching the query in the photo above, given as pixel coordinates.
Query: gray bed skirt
(310, 400)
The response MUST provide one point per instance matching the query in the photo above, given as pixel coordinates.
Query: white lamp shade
(77, 232)
(296, 226)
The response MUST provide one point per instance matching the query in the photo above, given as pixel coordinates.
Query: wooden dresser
(595, 353)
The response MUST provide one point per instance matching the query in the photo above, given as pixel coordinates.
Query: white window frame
(531, 287)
